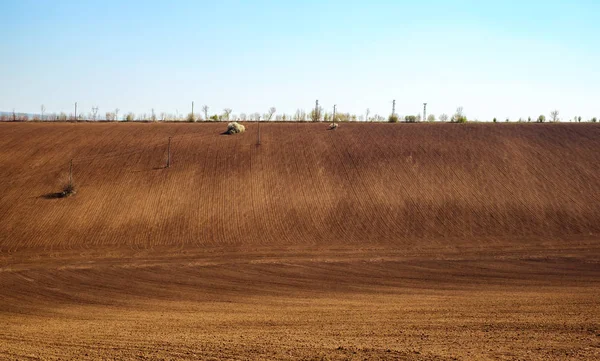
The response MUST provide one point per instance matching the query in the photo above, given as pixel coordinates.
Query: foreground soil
(314, 304)
(373, 241)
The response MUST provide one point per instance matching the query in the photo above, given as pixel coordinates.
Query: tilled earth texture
(367, 242)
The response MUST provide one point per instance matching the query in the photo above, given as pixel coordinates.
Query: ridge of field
(412, 185)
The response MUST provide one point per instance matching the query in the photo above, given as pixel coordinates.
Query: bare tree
(117, 113)
(226, 113)
(270, 114)
(315, 114)
(153, 115)
(431, 118)
(459, 116)
(367, 116)
(205, 110)
(444, 118)
(300, 115)
(94, 112)
(43, 109)
(243, 117)
(554, 116)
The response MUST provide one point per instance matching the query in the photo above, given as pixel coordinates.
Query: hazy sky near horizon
(494, 58)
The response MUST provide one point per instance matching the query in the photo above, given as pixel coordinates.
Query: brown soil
(376, 241)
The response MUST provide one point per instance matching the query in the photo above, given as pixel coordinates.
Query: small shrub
(191, 118)
(410, 119)
(594, 120)
(393, 118)
(461, 119)
(235, 128)
(541, 119)
(495, 120)
(316, 114)
(68, 190)
(214, 118)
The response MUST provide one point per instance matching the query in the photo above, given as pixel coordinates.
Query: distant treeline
(315, 115)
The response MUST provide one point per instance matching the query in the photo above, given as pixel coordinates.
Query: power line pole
(258, 125)
(192, 110)
(334, 106)
(424, 112)
(75, 110)
(169, 153)
(71, 174)
(393, 107)
(317, 117)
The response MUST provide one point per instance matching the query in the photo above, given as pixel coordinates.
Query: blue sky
(495, 59)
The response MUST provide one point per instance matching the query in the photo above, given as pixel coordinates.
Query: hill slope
(401, 184)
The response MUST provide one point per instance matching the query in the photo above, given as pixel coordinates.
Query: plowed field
(373, 241)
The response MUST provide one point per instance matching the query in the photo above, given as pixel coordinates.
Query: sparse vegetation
(68, 190)
(315, 114)
(459, 117)
(270, 113)
(226, 114)
(300, 115)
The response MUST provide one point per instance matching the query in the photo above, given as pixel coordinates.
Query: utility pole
(334, 106)
(71, 174)
(317, 117)
(75, 110)
(169, 153)
(424, 112)
(258, 126)
(192, 110)
(393, 107)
